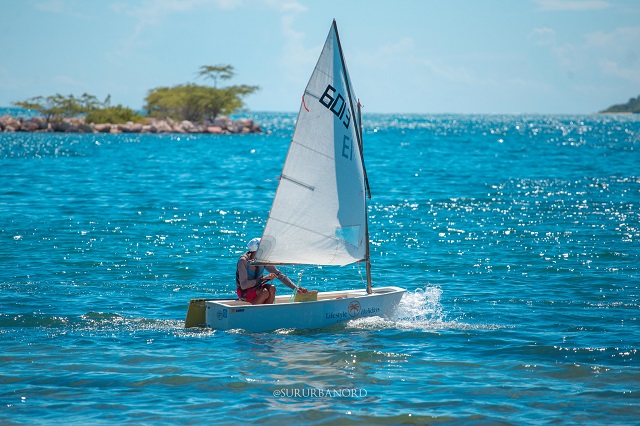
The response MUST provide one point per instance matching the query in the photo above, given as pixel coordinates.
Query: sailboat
(318, 215)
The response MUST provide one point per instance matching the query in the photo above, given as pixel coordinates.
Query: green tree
(114, 115)
(198, 103)
(215, 72)
(57, 107)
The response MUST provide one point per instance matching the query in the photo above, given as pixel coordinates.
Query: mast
(367, 257)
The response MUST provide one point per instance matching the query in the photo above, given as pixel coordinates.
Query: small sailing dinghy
(319, 213)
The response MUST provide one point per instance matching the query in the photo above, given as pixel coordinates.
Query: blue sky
(413, 56)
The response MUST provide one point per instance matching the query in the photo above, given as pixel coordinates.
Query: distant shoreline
(631, 107)
(220, 126)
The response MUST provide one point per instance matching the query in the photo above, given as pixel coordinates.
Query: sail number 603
(336, 104)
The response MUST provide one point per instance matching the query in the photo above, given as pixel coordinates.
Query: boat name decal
(336, 104)
(354, 310)
(337, 315)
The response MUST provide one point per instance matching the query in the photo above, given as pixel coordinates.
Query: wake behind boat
(318, 215)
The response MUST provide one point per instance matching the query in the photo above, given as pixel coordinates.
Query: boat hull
(331, 307)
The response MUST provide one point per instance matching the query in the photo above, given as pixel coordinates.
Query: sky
(404, 56)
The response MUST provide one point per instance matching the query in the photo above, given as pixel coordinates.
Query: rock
(222, 121)
(60, 126)
(163, 127)
(102, 128)
(221, 125)
(85, 128)
(245, 122)
(176, 128)
(216, 130)
(187, 126)
(9, 124)
(30, 126)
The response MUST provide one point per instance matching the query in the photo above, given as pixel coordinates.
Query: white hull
(331, 307)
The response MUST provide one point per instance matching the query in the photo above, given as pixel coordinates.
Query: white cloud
(297, 59)
(611, 54)
(288, 6)
(449, 72)
(65, 7)
(572, 5)
(542, 36)
(56, 6)
(229, 4)
(390, 53)
(615, 69)
(154, 12)
(617, 53)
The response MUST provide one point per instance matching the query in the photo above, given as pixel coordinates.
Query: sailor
(251, 285)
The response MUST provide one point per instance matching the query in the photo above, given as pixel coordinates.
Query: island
(185, 108)
(633, 106)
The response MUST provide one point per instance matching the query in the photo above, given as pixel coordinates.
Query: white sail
(318, 214)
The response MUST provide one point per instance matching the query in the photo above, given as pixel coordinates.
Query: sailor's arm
(243, 277)
(284, 279)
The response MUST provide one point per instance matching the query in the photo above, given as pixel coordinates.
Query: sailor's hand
(269, 277)
(302, 290)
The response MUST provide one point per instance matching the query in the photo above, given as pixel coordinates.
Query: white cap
(253, 244)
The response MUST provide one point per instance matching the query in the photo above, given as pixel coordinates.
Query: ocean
(517, 238)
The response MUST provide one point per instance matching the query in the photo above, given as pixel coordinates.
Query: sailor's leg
(272, 294)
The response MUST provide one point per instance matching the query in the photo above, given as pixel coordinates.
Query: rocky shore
(221, 125)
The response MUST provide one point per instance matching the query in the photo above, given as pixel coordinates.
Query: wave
(418, 310)
(90, 321)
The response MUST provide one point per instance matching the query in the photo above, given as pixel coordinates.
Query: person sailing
(251, 285)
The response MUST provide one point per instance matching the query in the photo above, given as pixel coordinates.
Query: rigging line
(360, 273)
(295, 290)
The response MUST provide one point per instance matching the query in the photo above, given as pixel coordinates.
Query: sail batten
(318, 215)
(309, 187)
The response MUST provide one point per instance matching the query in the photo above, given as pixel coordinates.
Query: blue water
(517, 238)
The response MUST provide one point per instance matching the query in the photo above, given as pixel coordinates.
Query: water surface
(517, 238)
